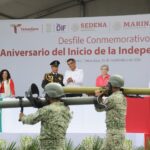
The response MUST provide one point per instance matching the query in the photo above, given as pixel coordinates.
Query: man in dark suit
(53, 76)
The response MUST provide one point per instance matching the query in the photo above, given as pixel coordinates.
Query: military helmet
(116, 81)
(54, 90)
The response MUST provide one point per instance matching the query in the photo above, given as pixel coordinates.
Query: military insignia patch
(49, 78)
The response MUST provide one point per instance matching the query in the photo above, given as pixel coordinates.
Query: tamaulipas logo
(22, 28)
(15, 27)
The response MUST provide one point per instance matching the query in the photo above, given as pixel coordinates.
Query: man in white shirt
(74, 76)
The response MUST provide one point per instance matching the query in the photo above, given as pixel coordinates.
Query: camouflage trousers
(52, 144)
(115, 140)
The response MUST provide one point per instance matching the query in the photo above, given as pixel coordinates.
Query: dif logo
(61, 27)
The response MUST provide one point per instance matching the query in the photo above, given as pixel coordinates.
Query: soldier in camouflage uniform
(53, 76)
(54, 119)
(115, 107)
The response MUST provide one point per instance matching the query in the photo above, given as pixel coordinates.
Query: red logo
(15, 27)
(93, 25)
(131, 24)
(24, 28)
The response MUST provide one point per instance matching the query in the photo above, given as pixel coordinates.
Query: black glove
(99, 105)
(36, 102)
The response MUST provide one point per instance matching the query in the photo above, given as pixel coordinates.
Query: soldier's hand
(21, 115)
(98, 93)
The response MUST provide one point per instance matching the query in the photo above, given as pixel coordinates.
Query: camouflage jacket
(54, 120)
(116, 113)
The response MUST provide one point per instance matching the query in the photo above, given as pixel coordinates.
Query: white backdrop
(28, 46)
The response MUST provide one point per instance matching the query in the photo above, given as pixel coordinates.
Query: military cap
(55, 63)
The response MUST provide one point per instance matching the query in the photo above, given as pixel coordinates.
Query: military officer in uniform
(54, 119)
(115, 107)
(53, 76)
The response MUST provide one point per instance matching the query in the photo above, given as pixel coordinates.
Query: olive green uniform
(54, 120)
(115, 122)
(51, 77)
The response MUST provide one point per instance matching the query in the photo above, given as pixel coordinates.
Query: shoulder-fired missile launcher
(33, 99)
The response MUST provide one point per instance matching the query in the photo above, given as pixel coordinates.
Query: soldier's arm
(32, 118)
(104, 104)
(109, 102)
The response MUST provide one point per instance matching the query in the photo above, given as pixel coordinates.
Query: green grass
(89, 143)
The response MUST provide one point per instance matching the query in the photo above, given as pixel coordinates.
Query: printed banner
(28, 46)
